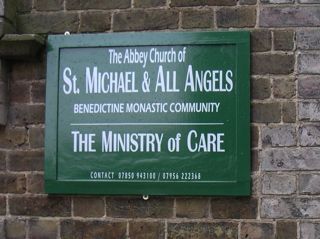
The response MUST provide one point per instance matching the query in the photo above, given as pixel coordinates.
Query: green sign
(148, 114)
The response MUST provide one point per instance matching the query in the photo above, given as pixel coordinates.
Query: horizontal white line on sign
(97, 124)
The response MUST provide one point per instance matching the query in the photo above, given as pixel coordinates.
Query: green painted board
(163, 113)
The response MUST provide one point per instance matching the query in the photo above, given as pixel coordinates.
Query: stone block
(192, 3)
(197, 18)
(95, 21)
(36, 137)
(284, 88)
(236, 17)
(260, 88)
(88, 207)
(192, 207)
(276, 1)
(309, 135)
(280, 135)
(309, 183)
(22, 114)
(286, 229)
(138, 20)
(254, 230)
(248, 2)
(74, 229)
(222, 230)
(40, 206)
(97, 4)
(262, 64)
(149, 3)
(235, 208)
(283, 40)
(287, 16)
(15, 228)
(302, 208)
(290, 159)
(53, 22)
(308, 39)
(260, 40)
(309, 63)
(309, 87)
(38, 92)
(309, 111)
(147, 230)
(35, 183)
(278, 184)
(266, 112)
(137, 208)
(13, 137)
(12, 183)
(49, 5)
(19, 92)
(289, 112)
(25, 161)
(309, 230)
(39, 229)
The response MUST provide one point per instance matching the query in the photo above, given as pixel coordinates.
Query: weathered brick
(277, 1)
(95, 21)
(74, 229)
(260, 88)
(255, 163)
(11, 137)
(35, 183)
(136, 207)
(260, 40)
(40, 206)
(192, 207)
(283, 40)
(190, 3)
(284, 88)
(236, 208)
(147, 230)
(286, 229)
(25, 71)
(197, 18)
(3, 160)
(2, 228)
(236, 17)
(289, 112)
(49, 5)
(308, 39)
(278, 184)
(15, 228)
(25, 160)
(19, 92)
(149, 3)
(254, 136)
(309, 230)
(2, 205)
(279, 135)
(309, 87)
(145, 20)
(21, 114)
(53, 22)
(36, 137)
(309, 183)
(12, 183)
(88, 207)
(39, 229)
(309, 135)
(257, 230)
(290, 159)
(266, 112)
(276, 16)
(38, 92)
(97, 4)
(24, 6)
(248, 2)
(290, 208)
(309, 111)
(272, 64)
(309, 63)
(222, 230)
(308, 1)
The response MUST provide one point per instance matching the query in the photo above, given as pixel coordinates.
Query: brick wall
(285, 115)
